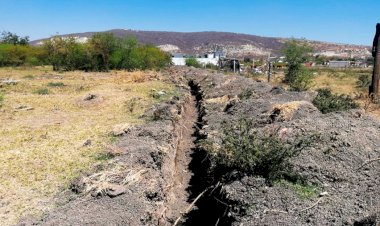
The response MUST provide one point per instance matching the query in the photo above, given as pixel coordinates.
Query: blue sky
(343, 21)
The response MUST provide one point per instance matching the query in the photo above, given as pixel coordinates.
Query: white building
(339, 64)
(209, 58)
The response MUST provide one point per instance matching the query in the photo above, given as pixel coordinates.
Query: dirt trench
(207, 204)
(177, 170)
(194, 194)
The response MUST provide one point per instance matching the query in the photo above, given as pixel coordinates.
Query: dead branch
(368, 162)
(190, 207)
(312, 206)
(274, 211)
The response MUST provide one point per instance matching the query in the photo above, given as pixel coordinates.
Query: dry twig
(312, 206)
(190, 207)
(274, 211)
(368, 162)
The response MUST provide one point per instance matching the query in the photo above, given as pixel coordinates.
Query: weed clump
(364, 81)
(248, 151)
(304, 191)
(327, 102)
(246, 94)
(1, 99)
(42, 91)
(55, 84)
(29, 77)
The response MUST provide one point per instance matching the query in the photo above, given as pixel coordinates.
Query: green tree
(121, 58)
(55, 51)
(102, 45)
(13, 39)
(296, 75)
(192, 62)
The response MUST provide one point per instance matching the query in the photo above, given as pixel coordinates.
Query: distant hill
(234, 44)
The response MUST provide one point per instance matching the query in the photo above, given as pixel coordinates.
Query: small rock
(24, 108)
(121, 129)
(161, 93)
(157, 94)
(9, 81)
(87, 143)
(323, 193)
(89, 97)
(115, 190)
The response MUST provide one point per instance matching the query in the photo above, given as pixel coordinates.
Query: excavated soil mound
(343, 166)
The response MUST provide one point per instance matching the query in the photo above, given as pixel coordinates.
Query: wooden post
(270, 65)
(376, 70)
(374, 88)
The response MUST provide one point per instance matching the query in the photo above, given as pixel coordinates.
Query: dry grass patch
(42, 136)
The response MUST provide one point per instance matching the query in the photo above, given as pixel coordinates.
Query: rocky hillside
(234, 44)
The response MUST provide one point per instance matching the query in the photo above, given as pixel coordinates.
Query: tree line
(102, 52)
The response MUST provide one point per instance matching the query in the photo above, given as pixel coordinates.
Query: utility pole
(374, 88)
(234, 66)
(269, 68)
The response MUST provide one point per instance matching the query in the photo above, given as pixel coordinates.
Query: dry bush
(138, 76)
(116, 177)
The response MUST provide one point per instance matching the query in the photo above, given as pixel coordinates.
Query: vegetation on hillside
(104, 51)
(297, 76)
(327, 102)
(248, 151)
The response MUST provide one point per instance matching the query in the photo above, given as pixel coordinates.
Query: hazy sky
(344, 21)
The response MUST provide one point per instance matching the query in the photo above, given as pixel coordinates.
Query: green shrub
(303, 81)
(296, 75)
(42, 91)
(17, 55)
(364, 81)
(1, 99)
(327, 102)
(211, 66)
(192, 62)
(246, 94)
(304, 191)
(55, 84)
(250, 152)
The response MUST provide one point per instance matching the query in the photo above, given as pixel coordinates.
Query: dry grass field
(45, 122)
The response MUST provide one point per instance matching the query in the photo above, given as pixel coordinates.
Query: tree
(296, 54)
(55, 50)
(121, 58)
(13, 39)
(101, 46)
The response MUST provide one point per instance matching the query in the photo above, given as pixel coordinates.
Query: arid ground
(140, 148)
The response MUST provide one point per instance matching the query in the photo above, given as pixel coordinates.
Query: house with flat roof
(339, 64)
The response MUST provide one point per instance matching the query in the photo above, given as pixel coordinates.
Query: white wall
(182, 61)
(205, 61)
(179, 61)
